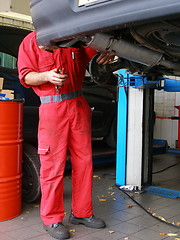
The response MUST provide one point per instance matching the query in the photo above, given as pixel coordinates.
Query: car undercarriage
(145, 35)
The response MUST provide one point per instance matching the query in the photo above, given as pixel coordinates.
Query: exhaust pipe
(150, 58)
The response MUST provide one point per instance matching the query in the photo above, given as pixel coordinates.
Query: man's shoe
(57, 230)
(91, 222)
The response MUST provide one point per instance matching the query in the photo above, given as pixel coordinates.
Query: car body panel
(143, 33)
(64, 20)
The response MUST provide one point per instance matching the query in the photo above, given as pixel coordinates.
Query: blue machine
(121, 129)
(125, 81)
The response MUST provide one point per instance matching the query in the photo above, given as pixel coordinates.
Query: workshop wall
(165, 108)
(18, 6)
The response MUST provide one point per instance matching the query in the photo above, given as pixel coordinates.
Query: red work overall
(63, 125)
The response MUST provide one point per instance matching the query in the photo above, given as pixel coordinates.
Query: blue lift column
(121, 129)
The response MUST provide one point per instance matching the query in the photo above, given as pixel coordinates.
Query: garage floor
(125, 219)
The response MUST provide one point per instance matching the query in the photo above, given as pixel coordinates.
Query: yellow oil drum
(11, 118)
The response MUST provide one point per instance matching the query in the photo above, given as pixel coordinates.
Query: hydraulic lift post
(134, 130)
(121, 134)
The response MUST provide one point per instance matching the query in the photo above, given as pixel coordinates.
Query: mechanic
(64, 125)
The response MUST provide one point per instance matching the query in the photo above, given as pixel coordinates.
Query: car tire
(111, 139)
(31, 169)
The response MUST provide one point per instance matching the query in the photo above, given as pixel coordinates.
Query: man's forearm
(53, 76)
(36, 78)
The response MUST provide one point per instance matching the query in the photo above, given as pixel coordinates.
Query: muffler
(124, 49)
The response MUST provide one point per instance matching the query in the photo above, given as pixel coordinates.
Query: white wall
(18, 6)
(166, 128)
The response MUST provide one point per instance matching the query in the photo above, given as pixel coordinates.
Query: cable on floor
(166, 168)
(161, 219)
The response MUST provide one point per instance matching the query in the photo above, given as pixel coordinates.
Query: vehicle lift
(135, 128)
(135, 120)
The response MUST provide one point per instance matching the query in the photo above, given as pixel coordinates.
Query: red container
(11, 118)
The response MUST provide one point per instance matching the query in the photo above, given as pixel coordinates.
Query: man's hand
(56, 77)
(105, 58)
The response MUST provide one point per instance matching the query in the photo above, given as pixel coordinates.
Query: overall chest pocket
(46, 63)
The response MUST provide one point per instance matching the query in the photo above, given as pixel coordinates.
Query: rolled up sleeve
(27, 58)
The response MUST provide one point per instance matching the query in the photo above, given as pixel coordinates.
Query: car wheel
(31, 168)
(111, 138)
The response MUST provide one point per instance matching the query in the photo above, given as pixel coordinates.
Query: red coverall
(62, 125)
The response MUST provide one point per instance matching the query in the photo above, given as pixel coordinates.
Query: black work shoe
(91, 222)
(57, 230)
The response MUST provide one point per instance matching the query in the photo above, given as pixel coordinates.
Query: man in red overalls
(64, 124)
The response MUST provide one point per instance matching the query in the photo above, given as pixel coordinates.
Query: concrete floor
(125, 219)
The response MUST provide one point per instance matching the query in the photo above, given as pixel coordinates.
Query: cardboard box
(1, 83)
(9, 93)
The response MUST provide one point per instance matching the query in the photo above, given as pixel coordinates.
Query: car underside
(145, 35)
